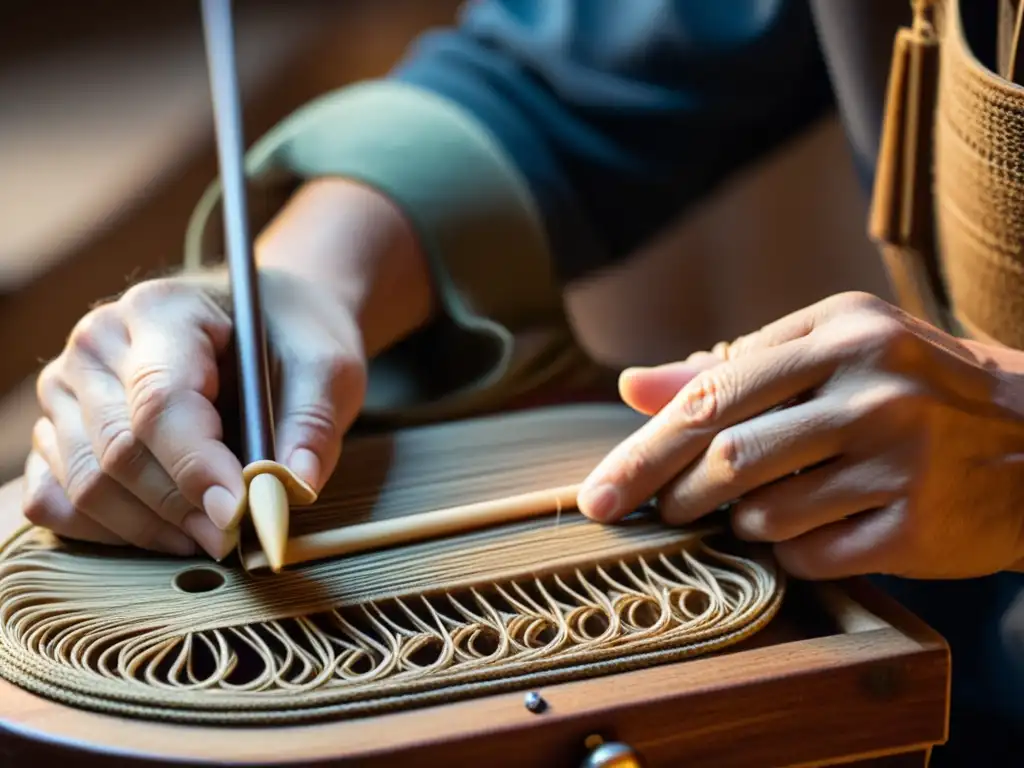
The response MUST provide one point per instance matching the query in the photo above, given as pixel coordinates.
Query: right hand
(131, 448)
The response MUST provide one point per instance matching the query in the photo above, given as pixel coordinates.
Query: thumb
(318, 402)
(648, 390)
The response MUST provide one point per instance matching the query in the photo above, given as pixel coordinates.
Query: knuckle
(173, 507)
(38, 507)
(86, 338)
(315, 419)
(186, 468)
(120, 450)
(186, 298)
(48, 381)
(151, 393)
(85, 481)
(741, 345)
(40, 431)
(38, 502)
(723, 349)
(908, 540)
(857, 301)
(701, 400)
(35, 510)
(882, 335)
(146, 294)
(725, 455)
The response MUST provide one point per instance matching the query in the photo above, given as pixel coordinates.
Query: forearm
(353, 241)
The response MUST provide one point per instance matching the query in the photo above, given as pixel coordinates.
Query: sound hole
(197, 580)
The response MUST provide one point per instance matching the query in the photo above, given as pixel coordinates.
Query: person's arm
(533, 143)
(357, 243)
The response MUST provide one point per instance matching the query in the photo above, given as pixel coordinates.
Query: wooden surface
(842, 675)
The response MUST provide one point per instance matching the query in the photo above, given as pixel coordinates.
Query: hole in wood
(198, 580)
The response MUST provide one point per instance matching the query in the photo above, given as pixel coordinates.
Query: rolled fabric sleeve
(533, 143)
(503, 332)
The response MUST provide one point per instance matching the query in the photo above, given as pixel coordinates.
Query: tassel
(901, 221)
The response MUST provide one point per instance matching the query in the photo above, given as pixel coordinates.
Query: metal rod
(250, 342)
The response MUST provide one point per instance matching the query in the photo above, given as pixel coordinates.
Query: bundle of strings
(545, 598)
(948, 205)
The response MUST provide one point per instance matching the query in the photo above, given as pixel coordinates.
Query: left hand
(854, 437)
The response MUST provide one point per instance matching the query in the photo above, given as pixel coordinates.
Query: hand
(131, 448)
(853, 437)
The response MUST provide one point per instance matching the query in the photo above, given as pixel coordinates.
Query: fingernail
(600, 503)
(215, 542)
(221, 507)
(306, 465)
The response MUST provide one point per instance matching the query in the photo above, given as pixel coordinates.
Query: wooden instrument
(742, 670)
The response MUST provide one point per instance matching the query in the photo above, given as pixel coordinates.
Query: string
(440, 467)
(486, 610)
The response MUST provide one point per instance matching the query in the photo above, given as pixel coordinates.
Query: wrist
(356, 244)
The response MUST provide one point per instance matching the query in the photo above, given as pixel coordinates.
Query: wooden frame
(842, 676)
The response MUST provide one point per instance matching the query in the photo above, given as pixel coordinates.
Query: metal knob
(612, 754)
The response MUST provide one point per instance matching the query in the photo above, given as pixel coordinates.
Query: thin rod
(378, 534)
(254, 382)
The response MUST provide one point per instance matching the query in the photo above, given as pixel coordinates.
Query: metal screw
(535, 702)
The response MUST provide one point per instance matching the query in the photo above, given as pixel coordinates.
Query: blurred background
(106, 144)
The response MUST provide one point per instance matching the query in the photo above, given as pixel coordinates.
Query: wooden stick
(362, 537)
(269, 504)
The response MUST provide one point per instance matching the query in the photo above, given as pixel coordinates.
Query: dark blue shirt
(621, 113)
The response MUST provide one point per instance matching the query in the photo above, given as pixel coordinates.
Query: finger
(753, 454)
(44, 442)
(320, 397)
(170, 382)
(864, 544)
(215, 542)
(717, 398)
(648, 390)
(101, 498)
(802, 503)
(45, 504)
(793, 326)
(121, 455)
(124, 458)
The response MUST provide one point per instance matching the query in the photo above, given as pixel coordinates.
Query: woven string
(520, 604)
(979, 190)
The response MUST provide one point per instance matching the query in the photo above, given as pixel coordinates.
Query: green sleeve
(503, 331)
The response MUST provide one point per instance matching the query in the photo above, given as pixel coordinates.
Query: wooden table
(843, 675)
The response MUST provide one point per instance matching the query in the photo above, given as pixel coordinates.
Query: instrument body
(842, 673)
